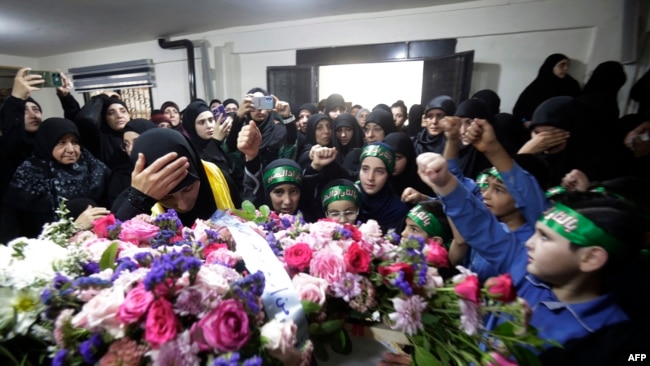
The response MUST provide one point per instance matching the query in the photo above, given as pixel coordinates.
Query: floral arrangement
(344, 273)
(143, 291)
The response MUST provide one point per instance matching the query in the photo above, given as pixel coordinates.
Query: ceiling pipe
(189, 46)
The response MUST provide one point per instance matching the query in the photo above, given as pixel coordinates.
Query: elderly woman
(59, 169)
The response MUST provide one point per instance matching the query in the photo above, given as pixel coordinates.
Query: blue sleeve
(482, 231)
(454, 168)
(529, 197)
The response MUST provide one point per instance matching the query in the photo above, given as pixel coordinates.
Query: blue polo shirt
(555, 320)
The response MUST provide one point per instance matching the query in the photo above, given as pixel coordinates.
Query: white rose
(310, 288)
(280, 336)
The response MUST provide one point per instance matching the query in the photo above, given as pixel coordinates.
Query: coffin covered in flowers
(246, 287)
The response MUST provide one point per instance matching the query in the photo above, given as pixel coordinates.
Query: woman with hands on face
(169, 174)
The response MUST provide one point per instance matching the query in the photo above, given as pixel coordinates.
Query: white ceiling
(38, 28)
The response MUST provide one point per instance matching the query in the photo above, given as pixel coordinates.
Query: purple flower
(60, 280)
(253, 361)
(46, 296)
(89, 348)
(60, 358)
(229, 359)
(124, 264)
(402, 284)
(408, 314)
(144, 258)
(189, 302)
(90, 268)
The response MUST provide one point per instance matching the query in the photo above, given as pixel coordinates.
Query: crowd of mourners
(555, 193)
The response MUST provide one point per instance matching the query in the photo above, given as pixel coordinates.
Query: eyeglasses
(346, 214)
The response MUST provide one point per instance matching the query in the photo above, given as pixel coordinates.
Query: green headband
(282, 174)
(338, 193)
(427, 221)
(579, 230)
(378, 151)
(493, 172)
(482, 180)
(553, 191)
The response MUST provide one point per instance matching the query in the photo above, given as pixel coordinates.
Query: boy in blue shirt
(564, 268)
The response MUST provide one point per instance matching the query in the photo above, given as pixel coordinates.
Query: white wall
(511, 38)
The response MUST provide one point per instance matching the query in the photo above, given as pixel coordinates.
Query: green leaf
(429, 319)
(265, 211)
(341, 343)
(108, 257)
(331, 326)
(525, 356)
(310, 307)
(248, 207)
(424, 357)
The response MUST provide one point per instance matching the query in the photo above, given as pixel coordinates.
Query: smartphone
(219, 111)
(52, 79)
(265, 102)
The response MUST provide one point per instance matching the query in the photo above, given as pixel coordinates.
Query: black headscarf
(310, 138)
(309, 107)
(601, 151)
(415, 120)
(40, 181)
(545, 85)
(334, 101)
(471, 160)
(383, 119)
(347, 120)
(158, 142)
(490, 98)
(424, 142)
(401, 143)
(191, 112)
(139, 125)
(382, 106)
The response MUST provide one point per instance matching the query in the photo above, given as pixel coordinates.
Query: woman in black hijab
(598, 138)
(60, 168)
(319, 132)
(348, 136)
(169, 174)
(415, 120)
(552, 80)
(197, 116)
(472, 161)
(405, 173)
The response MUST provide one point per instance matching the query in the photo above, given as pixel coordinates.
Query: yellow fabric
(218, 186)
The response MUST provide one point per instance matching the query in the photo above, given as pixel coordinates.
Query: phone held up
(52, 79)
(219, 111)
(265, 102)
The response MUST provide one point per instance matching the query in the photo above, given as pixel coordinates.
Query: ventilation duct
(120, 75)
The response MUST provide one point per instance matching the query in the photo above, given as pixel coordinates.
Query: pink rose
(101, 312)
(161, 325)
(100, 226)
(137, 232)
(501, 288)
(371, 228)
(356, 259)
(469, 289)
(96, 247)
(280, 336)
(310, 288)
(212, 247)
(328, 265)
(437, 255)
(298, 256)
(225, 328)
(224, 256)
(135, 304)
